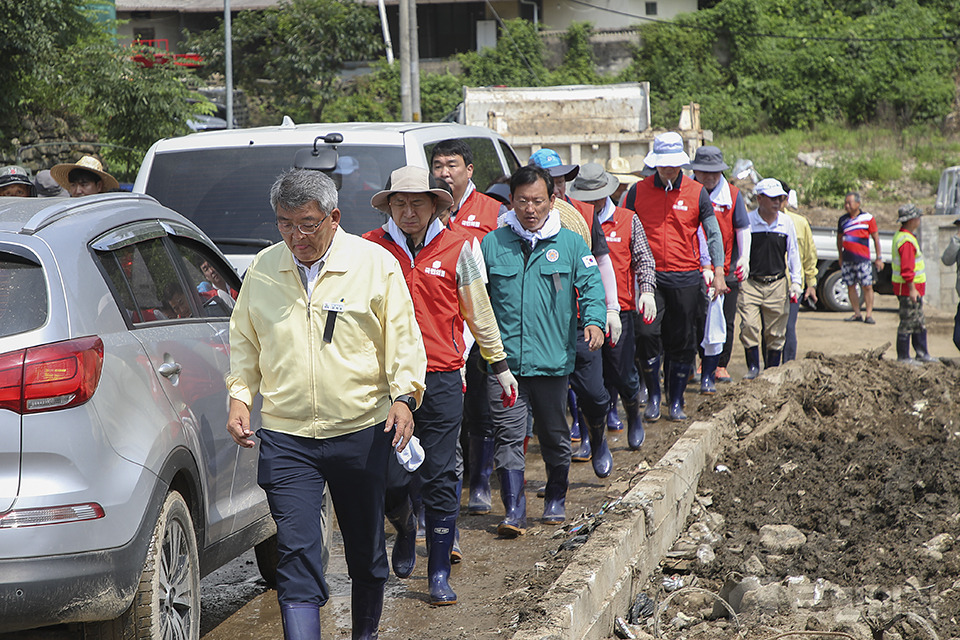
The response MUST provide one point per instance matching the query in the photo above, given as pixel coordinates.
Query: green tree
(293, 53)
(516, 61)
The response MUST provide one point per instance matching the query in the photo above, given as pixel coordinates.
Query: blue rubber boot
(481, 468)
(752, 355)
(602, 458)
(301, 621)
(440, 534)
(774, 356)
(679, 375)
(651, 377)
(613, 416)
(584, 451)
(708, 375)
(514, 503)
(635, 431)
(404, 555)
(575, 434)
(555, 495)
(366, 606)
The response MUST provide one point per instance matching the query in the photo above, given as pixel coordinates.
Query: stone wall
(47, 140)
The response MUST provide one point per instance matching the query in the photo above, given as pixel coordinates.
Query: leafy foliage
(293, 52)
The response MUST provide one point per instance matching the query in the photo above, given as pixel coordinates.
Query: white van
(221, 179)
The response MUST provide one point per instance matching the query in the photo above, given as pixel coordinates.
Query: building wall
(164, 24)
(560, 14)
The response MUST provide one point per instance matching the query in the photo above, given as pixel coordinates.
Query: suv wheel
(167, 603)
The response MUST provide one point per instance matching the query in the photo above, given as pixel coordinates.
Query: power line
(718, 31)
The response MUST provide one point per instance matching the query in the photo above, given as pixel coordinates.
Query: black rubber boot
(635, 431)
(481, 468)
(903, 349)
(920, 347)
(555, 495)
(574, 415)
(514, 503)
(651, 377)
(679, 375)
(602, 458)
(301, 621)
(404, 556)
(613, 416)
(366, 606)
(440, 534)
(774, 356)
(753, 362)
(708, 374)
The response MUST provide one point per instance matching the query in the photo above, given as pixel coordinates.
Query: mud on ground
(862, 456)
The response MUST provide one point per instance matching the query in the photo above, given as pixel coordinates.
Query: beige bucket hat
(410, 179)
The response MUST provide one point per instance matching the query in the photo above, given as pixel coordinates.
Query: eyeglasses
(522, 203)
(305, 229)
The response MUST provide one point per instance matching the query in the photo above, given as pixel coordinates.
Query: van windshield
(226, 192)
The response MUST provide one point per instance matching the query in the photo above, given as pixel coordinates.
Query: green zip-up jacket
(535, 298)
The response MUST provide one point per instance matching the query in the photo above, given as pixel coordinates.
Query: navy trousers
(293, 472)
(619, 363)
(587, 382)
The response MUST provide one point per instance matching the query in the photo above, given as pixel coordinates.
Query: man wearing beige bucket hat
(86, 177)
(447, 289)
(619, 168)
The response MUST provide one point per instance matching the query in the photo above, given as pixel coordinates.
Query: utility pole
(414, 63)
(228, 62)
(406, 102)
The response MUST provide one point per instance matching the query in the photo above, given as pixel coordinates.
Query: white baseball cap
(769, 187)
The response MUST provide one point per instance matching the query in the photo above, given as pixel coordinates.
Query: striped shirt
(856, 234)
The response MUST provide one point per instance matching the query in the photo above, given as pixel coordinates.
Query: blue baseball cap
(550, 160)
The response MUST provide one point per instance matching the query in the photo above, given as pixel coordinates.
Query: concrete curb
(618, 558)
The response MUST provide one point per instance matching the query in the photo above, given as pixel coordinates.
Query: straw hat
(61, 171)
(410, 179)
(619, 168)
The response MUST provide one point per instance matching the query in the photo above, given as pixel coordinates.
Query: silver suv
(119, 485)
(221, 179)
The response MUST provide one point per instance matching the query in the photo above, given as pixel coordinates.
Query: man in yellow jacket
(324, 329)
(808, 266)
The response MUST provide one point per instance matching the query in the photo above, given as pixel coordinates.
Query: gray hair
(295, 188)
(855, 194)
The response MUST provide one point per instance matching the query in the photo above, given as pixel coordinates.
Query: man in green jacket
(539, 276)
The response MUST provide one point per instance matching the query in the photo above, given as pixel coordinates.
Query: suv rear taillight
(52, 376)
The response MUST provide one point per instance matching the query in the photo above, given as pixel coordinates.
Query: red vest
(619, 231)
(432, 281)
(725, 220)
(586, 210)
(670, 220)
(478, 215)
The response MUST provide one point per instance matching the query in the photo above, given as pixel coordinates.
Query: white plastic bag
(715, 330)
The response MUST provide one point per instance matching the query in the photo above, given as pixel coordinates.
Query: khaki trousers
(763, 307)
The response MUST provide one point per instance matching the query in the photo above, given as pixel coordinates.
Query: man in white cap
(672, 207)
(446, 286)
(633, 262)
(86, 177)
(708, 167)
(763, 299)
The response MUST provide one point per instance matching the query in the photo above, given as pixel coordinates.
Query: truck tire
(834, 295)
(167, 603)
(267, 557)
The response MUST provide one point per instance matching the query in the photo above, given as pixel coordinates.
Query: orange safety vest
(725, 220)
(432, 281)
(478, 215)
(618, 231)
(670, 220)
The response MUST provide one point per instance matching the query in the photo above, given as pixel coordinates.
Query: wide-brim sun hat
(619, 168)
(667, 151)
(61, 172)
(709, 159)
(769, 187)
(908, 212)
(550, 160)
(593, 183)
(410, 179)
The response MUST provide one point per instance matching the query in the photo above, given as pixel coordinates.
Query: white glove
(708, 276)
(463, 377)
(509, 386)
(796, 292)
(648, 307)
(614, 326)
(743, 268)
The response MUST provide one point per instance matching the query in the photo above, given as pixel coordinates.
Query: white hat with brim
(61, 173)
(619, 168)
(769, 187)
(667, 151)
(593, 183)
(410, 179)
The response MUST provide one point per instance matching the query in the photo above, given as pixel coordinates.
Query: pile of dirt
(859, 457)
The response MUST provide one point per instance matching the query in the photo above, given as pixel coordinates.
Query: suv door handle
(169, 369)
